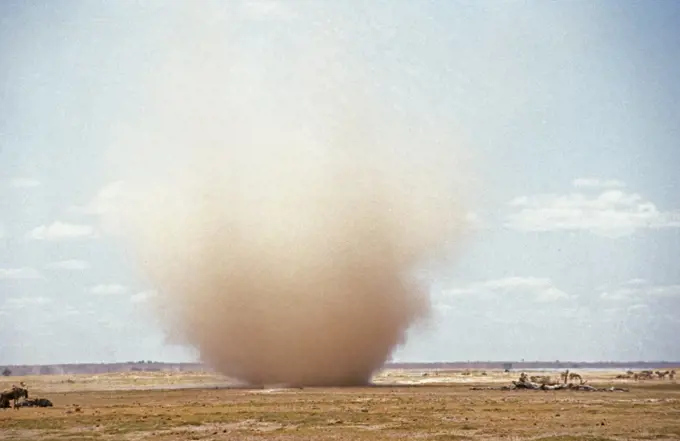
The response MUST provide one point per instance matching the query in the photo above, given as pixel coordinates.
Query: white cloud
(142, 297)
(108, 289)
(638, 290)
(24, 183)
(107, 199)
(473, 221)
(638, 309)
(611, 213)
(110, 205)
(69, 265)
(62, 231)
(20, 273)
(664, 291)
(636, 282)
(536, 288)
(69, 311)
(618, 294)
(26, 302)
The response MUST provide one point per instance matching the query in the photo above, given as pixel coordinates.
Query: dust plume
(280, 205)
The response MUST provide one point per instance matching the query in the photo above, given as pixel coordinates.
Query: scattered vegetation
(427, 411)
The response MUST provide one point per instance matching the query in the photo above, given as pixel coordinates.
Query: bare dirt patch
(447, 411)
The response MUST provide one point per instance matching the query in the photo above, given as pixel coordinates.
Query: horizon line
(387, 364)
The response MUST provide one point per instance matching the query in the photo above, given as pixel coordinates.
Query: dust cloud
(281, 206)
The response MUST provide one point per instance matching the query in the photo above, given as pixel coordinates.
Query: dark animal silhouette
(36, 402)
(14, 394)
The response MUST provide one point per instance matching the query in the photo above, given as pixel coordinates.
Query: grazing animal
(662, 375)
(648, 374)
(36, 402)
(644, 375)
(575, 376)
(540, 379)
(671, 374)
(13, 394)
(564, 375)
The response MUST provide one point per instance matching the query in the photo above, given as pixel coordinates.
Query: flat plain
(402, 404)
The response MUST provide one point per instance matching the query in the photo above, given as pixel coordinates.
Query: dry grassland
(404, 405)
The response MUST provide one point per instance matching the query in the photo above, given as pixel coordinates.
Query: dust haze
(280, 204)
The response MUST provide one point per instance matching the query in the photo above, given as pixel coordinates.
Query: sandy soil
(403, 404)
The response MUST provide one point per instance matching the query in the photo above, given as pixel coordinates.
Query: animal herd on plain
(18, 395)
(14, 394)
(567, 377)
(647, 375)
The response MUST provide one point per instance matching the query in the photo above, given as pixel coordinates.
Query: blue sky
(568, 110)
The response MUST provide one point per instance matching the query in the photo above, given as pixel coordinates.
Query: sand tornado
(280, 205)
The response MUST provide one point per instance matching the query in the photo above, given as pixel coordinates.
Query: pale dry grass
(449, 411)
(115, 381)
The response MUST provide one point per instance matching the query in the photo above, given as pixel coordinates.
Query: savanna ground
(404, 404)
